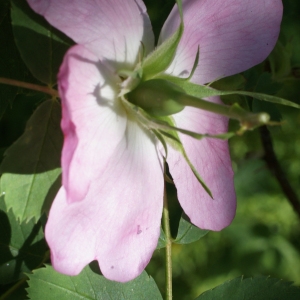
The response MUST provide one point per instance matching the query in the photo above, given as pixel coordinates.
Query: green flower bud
(158, 97)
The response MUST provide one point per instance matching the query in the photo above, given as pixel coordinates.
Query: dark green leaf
(4, 8)
(48, 284)
(42, 47)
(188, 233)
(11, 65)
(13, 292)
(31, 166)
(233, 82)
(162, 240)
(258, 288)
(266, 85)
(280, 60)
(22, 246)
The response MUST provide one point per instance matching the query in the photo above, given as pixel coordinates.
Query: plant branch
(30, 86)
(273, 164)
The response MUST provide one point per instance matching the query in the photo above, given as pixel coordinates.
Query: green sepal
(163, 126)
(195, 65)
(202, 91)
(162, 140)
(160, 59)
(173, 140)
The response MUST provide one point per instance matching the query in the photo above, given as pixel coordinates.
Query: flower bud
(158, 97)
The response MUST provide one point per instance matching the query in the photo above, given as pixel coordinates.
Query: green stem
(166, 227)
(30, 86)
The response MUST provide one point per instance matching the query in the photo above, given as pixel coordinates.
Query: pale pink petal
(233, 35)
(118, 223)
(111, 29)
(93, 122)
(212, 161)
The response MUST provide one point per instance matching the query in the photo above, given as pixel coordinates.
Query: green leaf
(188, 233)
(31, 166)
(48, 284)
(161, 58)
(42, 47)
(258, 288)
(22, 246)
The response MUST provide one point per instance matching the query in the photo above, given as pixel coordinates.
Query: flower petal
(110, 29)
(211, 159)
(233, 35)
(93, 121)
(118, 223)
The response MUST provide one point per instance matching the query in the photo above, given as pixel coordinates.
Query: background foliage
(264, 238)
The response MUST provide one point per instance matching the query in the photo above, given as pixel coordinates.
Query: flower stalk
(168, 251)
(247, 119)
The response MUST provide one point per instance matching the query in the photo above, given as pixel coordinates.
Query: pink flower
(110, 204)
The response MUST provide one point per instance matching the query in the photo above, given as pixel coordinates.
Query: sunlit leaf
(31, 166)
(258, 288)
(48, 284)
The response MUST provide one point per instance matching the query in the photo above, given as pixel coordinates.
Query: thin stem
(166, 227)
(30, 86)
(273, 164)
